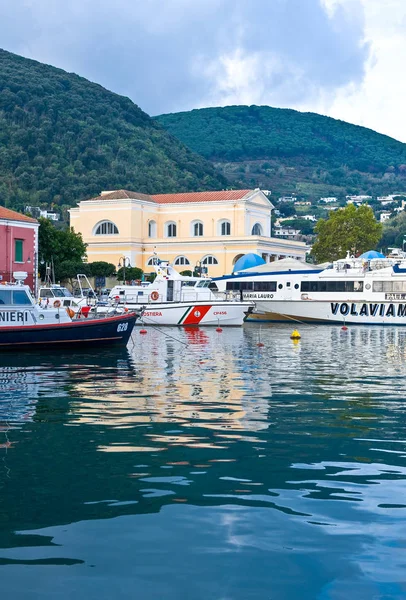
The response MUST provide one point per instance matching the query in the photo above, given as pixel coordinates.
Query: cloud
(378, 101)
(177, 55)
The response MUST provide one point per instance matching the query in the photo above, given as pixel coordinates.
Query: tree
(394, 231)
(347, 229)
(56, 246)
(130, 273)
(100, 268)
(69, 269)
(286, 209)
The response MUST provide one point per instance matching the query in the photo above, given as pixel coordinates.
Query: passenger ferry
(174, 299)
(351, 290)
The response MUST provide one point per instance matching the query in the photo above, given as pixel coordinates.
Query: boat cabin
(18, 307)
(168, 286)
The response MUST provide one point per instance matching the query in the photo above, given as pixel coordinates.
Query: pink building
(18, 246)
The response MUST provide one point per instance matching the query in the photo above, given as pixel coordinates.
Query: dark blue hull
(77, 334)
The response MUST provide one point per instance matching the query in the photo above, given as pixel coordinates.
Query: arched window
(224, 227)
(197, 228)
(182, 260)
(170, 229)
(151, 261)
(237, 258)
(152, 229)
(210, 260)
(257, 229)
(106, 228)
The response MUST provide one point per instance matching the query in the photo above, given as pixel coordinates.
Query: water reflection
(289, 453)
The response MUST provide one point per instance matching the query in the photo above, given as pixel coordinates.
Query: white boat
(351, 290)
(49, 293)
(174, 299)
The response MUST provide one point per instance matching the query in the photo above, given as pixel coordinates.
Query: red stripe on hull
(196, 315)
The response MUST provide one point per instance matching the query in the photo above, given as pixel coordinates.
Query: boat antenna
(53, 270)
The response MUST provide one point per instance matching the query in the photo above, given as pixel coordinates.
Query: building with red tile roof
(18, 245)
(213, 228)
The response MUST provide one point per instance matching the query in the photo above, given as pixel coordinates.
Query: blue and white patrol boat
(24, 324)
(351, 290)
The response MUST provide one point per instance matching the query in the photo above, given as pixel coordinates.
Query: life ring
(57, 303)
(154, 295)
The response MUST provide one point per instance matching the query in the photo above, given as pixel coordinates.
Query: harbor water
(198, 464)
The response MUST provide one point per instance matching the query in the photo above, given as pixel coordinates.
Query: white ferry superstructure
(368, 292)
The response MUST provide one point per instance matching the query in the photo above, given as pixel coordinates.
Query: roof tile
(11, 215)
(218, 196)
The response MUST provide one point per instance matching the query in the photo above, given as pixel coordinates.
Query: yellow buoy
(295, 335)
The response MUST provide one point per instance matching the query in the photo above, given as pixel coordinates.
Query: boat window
(5, 296)
(389, 286)
(21, 297)
(265, 286)
(188, 283)
(204, 283)
(66, 293)
(332, 286)
(58, 293)
(257, 286)
(45, 293)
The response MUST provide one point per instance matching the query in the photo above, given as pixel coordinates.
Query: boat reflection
(205, 418)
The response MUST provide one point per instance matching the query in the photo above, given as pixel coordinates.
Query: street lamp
(124, 262)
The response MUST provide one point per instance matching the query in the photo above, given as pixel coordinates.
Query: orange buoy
(143, 331)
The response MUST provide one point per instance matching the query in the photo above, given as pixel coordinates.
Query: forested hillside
(292, 152)
(63, 138)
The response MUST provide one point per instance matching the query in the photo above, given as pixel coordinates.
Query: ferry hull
(198, 313)
(75, 334)
(349, 312)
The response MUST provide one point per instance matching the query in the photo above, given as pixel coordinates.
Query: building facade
(213, 229)
(18, 246)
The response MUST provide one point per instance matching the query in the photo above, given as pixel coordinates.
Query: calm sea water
(197, 465)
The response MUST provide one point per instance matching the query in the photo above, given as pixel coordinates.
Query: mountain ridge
(64, 138)
(326, 154)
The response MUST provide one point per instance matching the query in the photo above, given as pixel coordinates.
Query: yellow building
(211, 228)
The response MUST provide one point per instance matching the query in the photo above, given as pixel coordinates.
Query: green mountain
(292, 152)
(63, 138)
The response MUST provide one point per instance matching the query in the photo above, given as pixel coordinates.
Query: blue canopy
(372, 254)
(247, 261)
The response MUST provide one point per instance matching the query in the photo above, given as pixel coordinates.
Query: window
(210, 260)
(389, 286)
(224, 227)
(332, 286)
(18, 250)
(106, 228)
(256, 286)
(20, 297)
(152, 229)
(5, 296)
(182, 260)
(151, 261)
(170, 229)
(197, 228)
(257, 229)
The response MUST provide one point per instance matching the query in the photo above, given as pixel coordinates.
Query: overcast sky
(342, 58)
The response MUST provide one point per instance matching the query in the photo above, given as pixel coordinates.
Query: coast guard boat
(174, 299)
(351, 290)
(24, 324)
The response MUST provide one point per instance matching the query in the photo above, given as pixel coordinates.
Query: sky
(341, 58)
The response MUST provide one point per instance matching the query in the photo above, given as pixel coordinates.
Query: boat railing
(155, 297)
